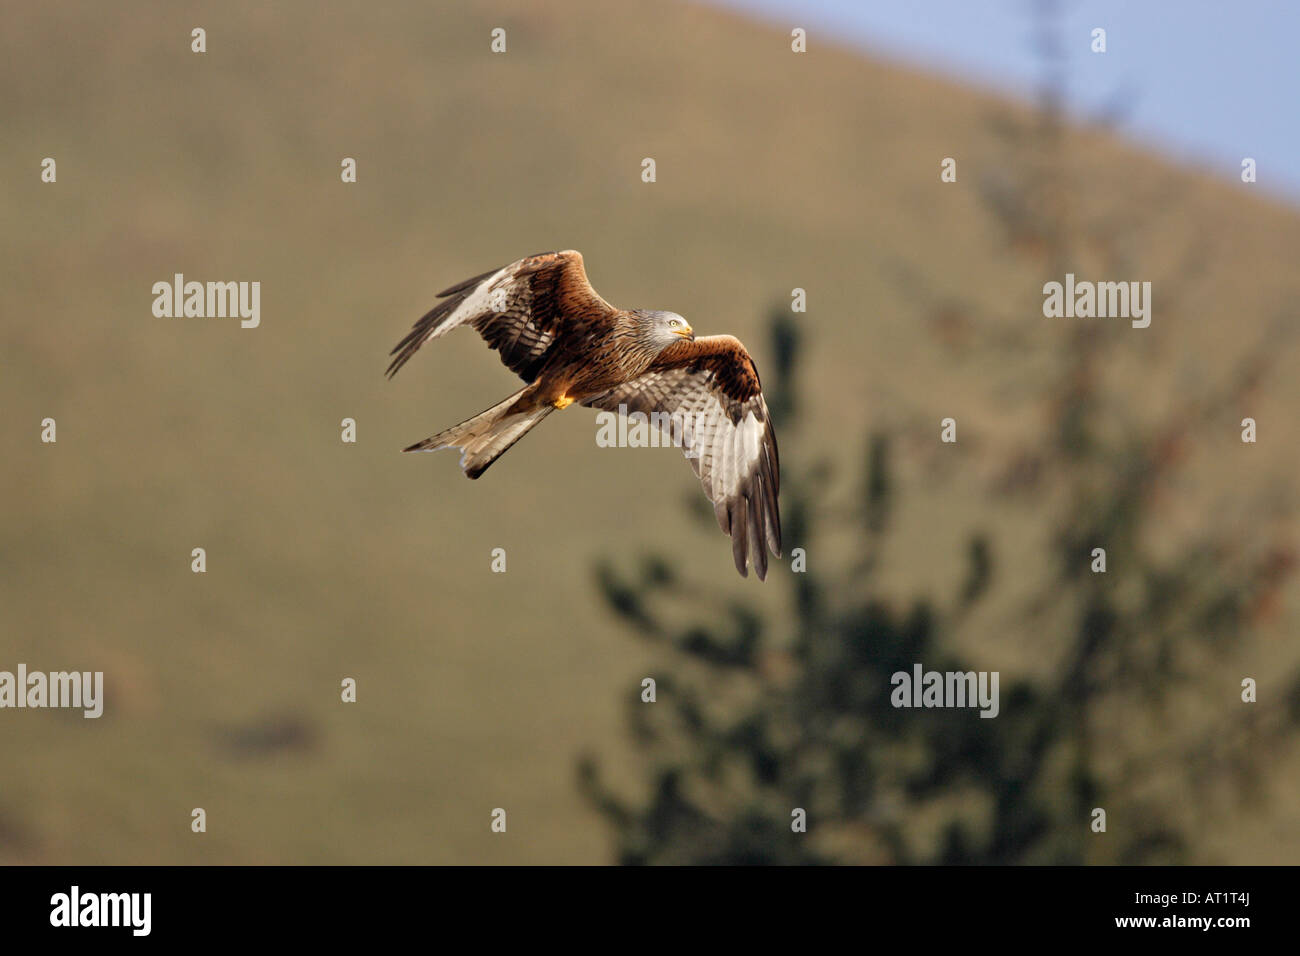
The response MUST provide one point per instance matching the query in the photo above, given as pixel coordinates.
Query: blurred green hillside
(328, 560)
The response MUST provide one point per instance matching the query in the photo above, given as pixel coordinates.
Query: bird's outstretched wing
(521, 310)
(708, 393)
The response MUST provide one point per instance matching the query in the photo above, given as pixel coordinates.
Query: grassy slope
(476, 690)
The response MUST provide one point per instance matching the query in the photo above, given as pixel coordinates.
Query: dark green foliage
(754, 720)
(748, 728)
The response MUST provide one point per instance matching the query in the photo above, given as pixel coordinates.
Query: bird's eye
(673, 322)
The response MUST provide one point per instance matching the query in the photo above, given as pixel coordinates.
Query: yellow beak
(685, 331)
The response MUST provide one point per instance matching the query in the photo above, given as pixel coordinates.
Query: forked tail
(487, 436)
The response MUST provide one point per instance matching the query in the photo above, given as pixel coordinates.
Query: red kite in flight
(570, 345)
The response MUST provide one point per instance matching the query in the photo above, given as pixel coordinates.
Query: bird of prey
(571, 346)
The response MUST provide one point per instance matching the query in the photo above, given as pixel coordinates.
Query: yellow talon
(563, 402)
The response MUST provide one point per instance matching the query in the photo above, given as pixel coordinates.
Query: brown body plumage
(570, 345)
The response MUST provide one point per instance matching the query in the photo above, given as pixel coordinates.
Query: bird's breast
(596, 367)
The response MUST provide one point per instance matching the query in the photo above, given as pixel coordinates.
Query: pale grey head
(662, 329)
